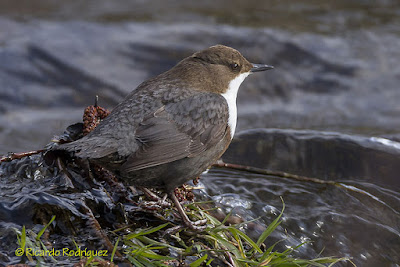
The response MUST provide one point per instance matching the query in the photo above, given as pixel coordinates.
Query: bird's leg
(160, 201)
(149, 194)
(197, 226)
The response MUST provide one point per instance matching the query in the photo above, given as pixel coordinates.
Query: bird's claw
(197, 226)
(156, 200)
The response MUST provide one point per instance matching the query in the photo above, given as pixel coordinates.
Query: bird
(172, 127)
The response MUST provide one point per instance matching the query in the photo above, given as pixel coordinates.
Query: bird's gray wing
(178, 130)
(95, 147)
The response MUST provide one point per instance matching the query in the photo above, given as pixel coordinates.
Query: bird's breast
(230, 96)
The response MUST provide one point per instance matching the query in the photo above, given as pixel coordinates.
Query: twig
(221, 164)
(349, 187)
(12, 156)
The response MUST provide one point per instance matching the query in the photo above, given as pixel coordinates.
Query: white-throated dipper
(174, 126)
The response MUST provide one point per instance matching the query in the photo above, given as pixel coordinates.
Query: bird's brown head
(213, 69)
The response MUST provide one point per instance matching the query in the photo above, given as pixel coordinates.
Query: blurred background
(336, 63)
(336, 70)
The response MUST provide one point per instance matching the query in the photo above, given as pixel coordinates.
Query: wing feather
(178, 130)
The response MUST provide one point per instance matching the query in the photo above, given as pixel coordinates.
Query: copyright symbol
(19, 252)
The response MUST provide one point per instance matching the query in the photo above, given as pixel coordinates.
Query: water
(336, 64)
(331, 218)
(305, 16)
(352, 208)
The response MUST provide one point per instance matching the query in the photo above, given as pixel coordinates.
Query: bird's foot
(198, 226)
(156, 200)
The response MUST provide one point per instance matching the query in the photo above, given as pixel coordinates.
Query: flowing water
(351, 208)
(359, 220)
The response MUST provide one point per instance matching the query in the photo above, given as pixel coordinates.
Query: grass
(218, 245)
(30, 242)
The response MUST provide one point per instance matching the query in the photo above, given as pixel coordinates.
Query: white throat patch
(230, 96)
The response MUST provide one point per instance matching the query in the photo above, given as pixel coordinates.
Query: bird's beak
(260, 67)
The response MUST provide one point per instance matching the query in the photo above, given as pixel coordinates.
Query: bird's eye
(235, 66)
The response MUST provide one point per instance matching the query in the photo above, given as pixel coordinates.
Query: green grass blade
(134, 261)
(225, 244)
(151, 255)
(147, 240)
(270, 227)
(226, 218)
(23, 237)
(114, 249)
(89, 260)
(149, 231)
(213, 220)
(248, 240)
(44, 228)
(238, 240)
(75, 244)
(199, 261)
